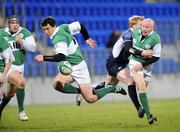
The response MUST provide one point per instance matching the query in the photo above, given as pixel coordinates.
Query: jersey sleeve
(8, 55)
(29, 44)
(157, 50)
(117, 47)
(74, 27)
(157, 46)
(28, 40)
(126, 36)
(61, 47)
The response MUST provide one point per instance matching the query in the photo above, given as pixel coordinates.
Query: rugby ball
(65, 67)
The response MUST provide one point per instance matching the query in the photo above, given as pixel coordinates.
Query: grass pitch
(98, 117)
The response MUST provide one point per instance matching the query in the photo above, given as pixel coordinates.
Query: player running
(67, 49)
(20, 41)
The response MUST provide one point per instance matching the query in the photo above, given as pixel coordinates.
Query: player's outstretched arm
(52, 58)
(91, 42)
(77, 27)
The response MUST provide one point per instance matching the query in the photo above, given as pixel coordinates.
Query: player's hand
(91, 42)
(19, 39)
(147, 53)
(39, 58)
(137, 67)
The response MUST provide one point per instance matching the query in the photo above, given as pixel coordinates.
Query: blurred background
(102, 18)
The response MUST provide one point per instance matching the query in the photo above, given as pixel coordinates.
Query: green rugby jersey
(63, 35)
(18, 52)
(152, 42)
(3, 46)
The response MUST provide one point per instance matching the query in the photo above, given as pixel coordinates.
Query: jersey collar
(7, 30)
(150, 33)
(55, 31)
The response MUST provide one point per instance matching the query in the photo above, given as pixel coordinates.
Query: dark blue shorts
(113, 67)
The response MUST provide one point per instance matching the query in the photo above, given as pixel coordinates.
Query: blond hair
(134, 20)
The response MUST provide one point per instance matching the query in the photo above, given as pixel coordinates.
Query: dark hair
(48, 20)
(13, 18)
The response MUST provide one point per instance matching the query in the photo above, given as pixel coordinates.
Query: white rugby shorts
(80, 73)
(19, 68)
(146, 70)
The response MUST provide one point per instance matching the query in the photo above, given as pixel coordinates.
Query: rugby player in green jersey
(144, 38)
(20, 41)
(6, 58)
(67, 49)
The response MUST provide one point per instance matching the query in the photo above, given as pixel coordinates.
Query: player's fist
(19, 39)
(39, 58)
(147, 53)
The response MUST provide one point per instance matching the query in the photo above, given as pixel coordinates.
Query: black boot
(152, 119)
(141, 112)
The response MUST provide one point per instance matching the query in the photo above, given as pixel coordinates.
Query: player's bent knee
(142, 87)
(90, 99)
(21, 84)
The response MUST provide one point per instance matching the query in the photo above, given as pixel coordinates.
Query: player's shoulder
(128, 31)
(25, 31)
(2, 31)
(3, 43)
(155, 36)
(58, 37)
(2, 39)
(127, 34)
(63, 27)
(63, 34)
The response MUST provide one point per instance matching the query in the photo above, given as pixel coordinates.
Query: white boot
(23, 116)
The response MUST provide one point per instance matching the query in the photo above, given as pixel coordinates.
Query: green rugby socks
(70, 89)
(20, 94)
(103, 91)
(145, 104)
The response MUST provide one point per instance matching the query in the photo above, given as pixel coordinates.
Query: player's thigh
(124, 76)
(81, 73)
(16, 78)
(63, 79)
(111, 80)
